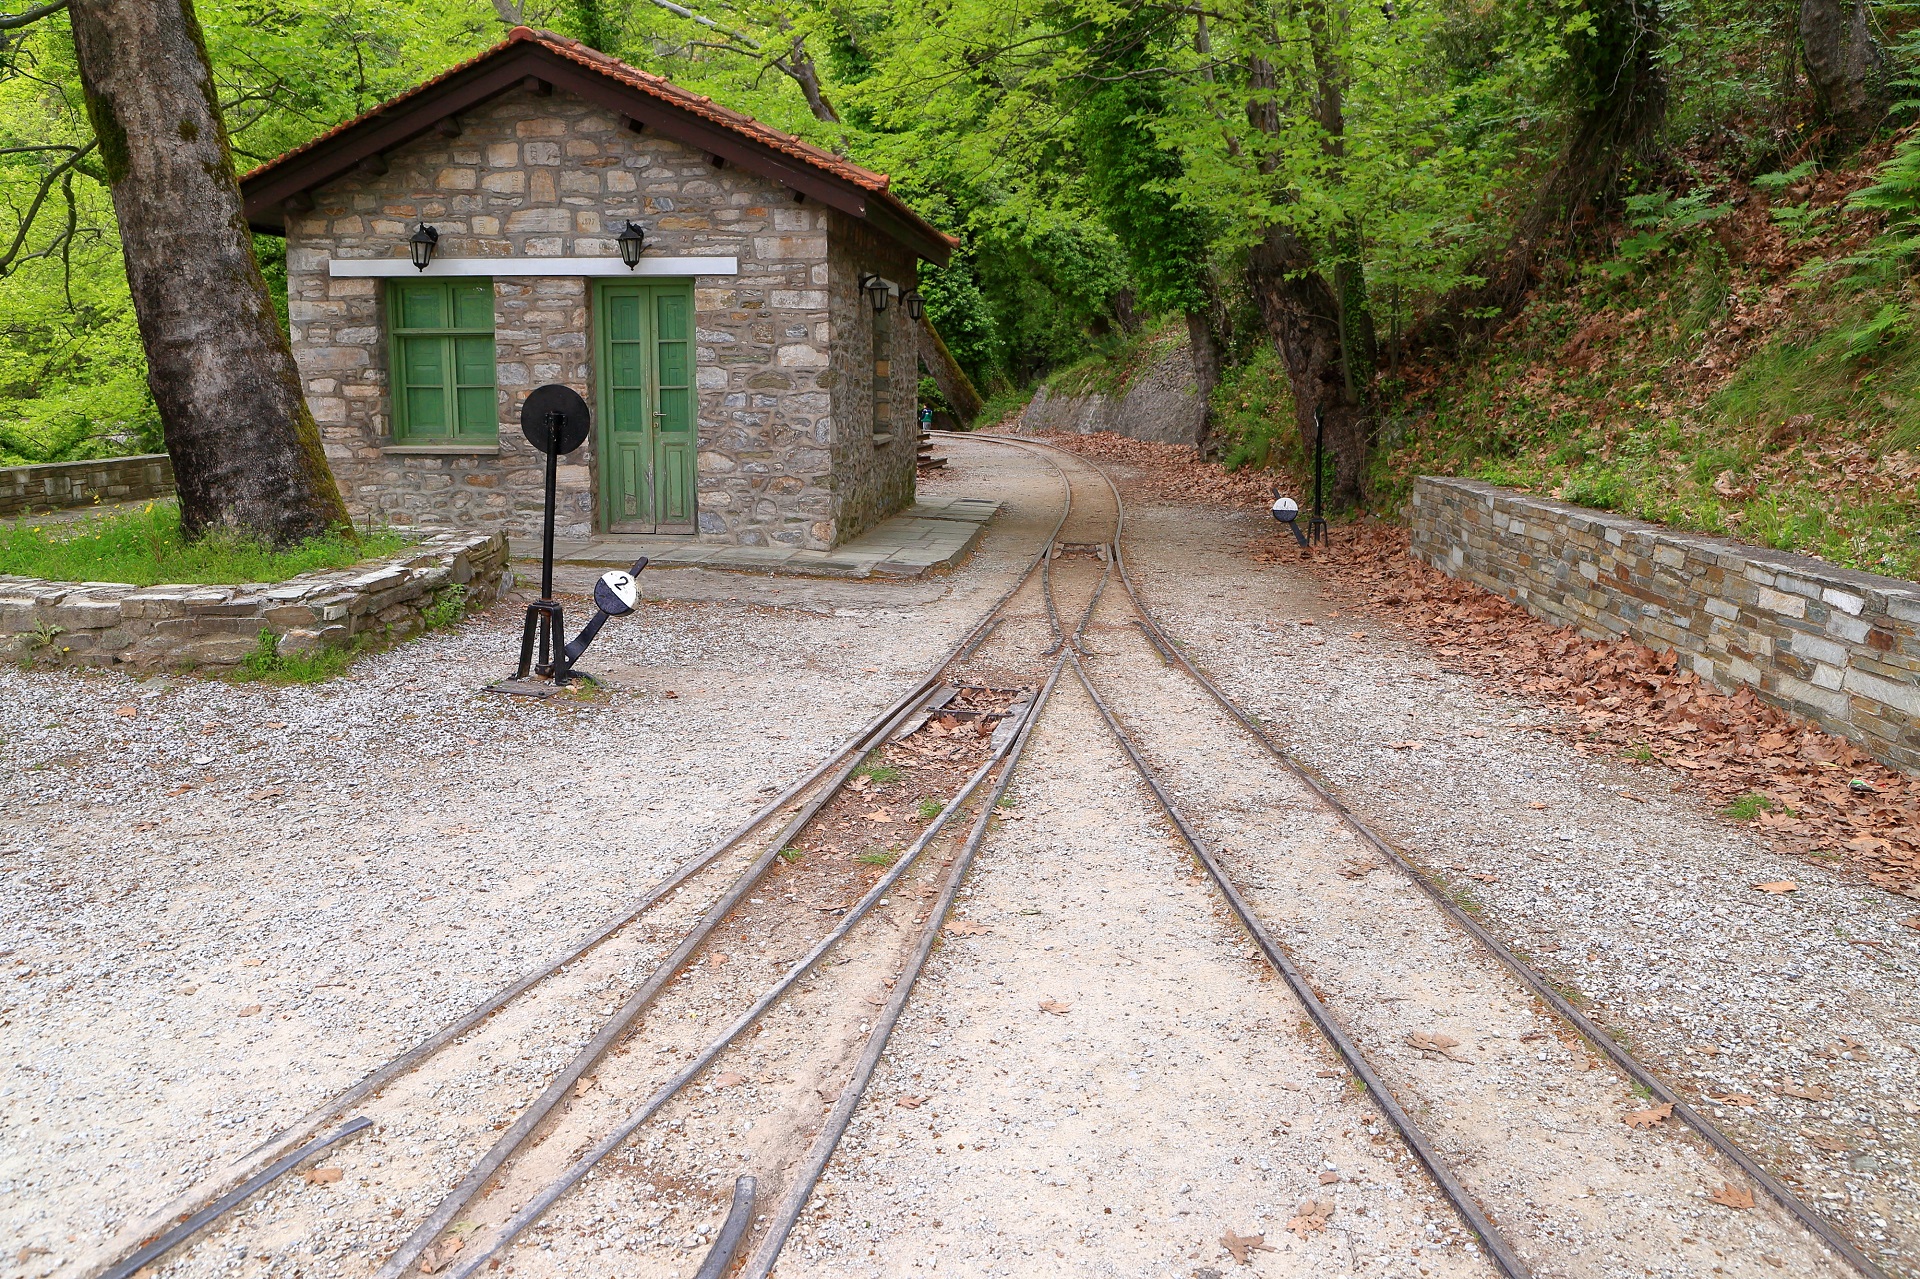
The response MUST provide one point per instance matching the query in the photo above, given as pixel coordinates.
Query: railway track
(611, 1139)
(215, 1206)
(1208, 855)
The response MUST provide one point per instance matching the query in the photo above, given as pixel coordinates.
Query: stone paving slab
(932, 534)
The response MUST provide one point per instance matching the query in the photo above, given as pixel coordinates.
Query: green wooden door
(647, 426)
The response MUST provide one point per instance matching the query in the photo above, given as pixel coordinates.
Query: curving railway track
(700, 1116)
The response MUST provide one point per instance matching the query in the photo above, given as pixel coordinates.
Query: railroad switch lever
(1287, 511)
(615, 594)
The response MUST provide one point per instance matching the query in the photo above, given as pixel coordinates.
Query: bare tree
(246, 453)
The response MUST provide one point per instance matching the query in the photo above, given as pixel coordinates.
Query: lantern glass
(877, 291)
(632, 240)
(422, 245)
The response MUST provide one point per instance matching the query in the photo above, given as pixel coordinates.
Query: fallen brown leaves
(1434, 1044)
(1055, 1007)
(966, 928)
(1650, 1118)
(435, 1259)
(1242, 1247)
(1171, 472)
(1311, 1217)
(1732, 1196)
(1623, 697)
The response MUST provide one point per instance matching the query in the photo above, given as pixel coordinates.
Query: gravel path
(1616, 888)
(226, 902)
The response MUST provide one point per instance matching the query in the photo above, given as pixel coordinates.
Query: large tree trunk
(246, 453)
(947, 374)
(1206, 374)
(1843, 62)
(1303, 316)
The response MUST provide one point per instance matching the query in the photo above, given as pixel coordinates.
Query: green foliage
(929, 809)
(879, 857)
(266, 664)
(881, 774)
(1253, 414)
(144, 547)
(448, 607)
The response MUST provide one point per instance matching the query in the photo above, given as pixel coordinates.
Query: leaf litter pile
(1804, 790)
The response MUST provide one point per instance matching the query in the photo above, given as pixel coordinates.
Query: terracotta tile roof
(644, 81)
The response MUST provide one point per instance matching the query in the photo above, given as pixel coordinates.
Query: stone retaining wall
(1160, 403)
(177, 627)
(52, 486)
(1838, 647)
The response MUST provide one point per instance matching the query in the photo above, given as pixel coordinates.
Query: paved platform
(934, 534)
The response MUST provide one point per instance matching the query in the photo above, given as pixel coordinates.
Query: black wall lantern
(422, 245)
(633, 238)
(876, 290)
(916, 305)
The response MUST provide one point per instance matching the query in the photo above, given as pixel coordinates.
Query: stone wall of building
(53, 486)
(873, 460)
(218, 627)
(1839, 647)
(533, 176)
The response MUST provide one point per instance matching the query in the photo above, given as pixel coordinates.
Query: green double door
(647, 432)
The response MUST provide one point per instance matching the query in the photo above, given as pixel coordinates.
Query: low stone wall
(26, 490)
(178, 627)
(1160, 403)
(1835, 646)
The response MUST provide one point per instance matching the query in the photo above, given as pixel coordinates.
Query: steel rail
(530, 1120)
(197, 1203)
(212, 1189)
(584, 1163)
(1464, 1204)
(199, 1221)
(739, 1216)
(794, 1201)
(1588, 1029)
(827, 1140)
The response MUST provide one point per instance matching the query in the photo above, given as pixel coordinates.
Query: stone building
(752, 375)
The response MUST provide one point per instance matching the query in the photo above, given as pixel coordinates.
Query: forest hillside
(1655, 257)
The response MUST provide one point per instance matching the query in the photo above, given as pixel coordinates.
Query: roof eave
(267, 190)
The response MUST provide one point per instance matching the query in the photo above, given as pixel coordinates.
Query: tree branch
(14, 21)
(12, 255)
(681, 11)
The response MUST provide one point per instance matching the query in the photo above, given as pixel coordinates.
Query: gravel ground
(229, 901)
(226, 902)
(1177, 1097)
(1644, 905)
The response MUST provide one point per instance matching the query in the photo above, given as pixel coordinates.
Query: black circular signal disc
(554, 398)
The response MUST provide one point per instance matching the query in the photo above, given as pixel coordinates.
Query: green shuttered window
(442, 361)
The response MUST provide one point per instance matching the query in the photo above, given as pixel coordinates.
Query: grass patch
(929, 809)
(792, 855)
(1750, 806)
(879, 857)
(881, 774)
(145, 548)
(266, 665)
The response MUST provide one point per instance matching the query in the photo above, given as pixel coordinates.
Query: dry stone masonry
(27, 490)
(214, 627)
(1839, 647)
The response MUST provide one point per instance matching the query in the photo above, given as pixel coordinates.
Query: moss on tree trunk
(246, 451)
